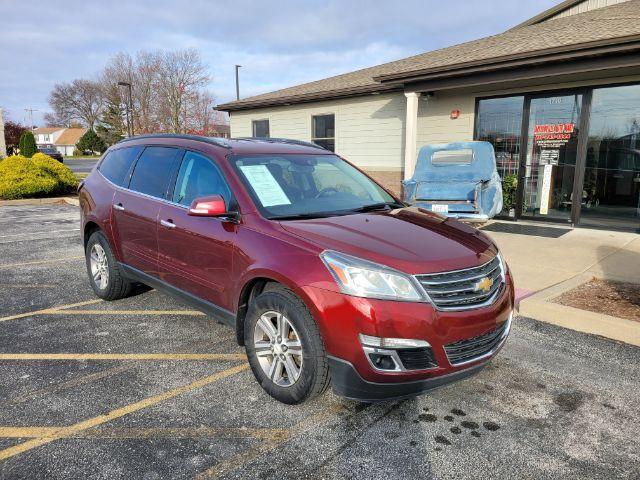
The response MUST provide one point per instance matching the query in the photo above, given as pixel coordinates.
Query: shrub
(509, 188)
(27, 144)
(68, 181)
(21, 177)
(91, 141)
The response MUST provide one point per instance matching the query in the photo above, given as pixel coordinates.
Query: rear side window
(199, 177)
(116, 165)
(153, 171)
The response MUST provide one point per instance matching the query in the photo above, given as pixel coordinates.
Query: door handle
(167, 223)
(118, 206)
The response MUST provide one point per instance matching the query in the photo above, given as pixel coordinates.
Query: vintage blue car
(459, 180)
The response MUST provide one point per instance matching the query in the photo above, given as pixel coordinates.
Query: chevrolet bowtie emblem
(483, 285)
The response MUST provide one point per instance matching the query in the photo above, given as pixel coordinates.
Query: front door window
(550, 162)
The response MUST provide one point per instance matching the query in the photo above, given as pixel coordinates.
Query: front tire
(105, 276)
(284, 347)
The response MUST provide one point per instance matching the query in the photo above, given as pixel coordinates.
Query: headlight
(361, 278)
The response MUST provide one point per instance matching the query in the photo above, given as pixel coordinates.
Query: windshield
(309, 186)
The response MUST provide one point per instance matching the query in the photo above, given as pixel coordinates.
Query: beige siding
(369, 129)
(435, 124)
(585, 6)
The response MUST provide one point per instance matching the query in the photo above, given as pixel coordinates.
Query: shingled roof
(611, 25)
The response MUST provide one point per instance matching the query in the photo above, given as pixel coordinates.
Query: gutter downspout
(411, 130)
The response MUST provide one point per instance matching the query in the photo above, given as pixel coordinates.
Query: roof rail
(289, 141)
(220, 142)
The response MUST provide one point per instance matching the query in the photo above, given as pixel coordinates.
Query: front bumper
(343, 318)
(347, 383)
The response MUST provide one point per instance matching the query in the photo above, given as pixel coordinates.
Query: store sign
(553, 134)
(549, 157)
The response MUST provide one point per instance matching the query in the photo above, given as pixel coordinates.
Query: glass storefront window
(611, 189)
(499, 121)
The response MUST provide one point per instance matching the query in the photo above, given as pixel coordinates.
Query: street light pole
(129, 108)
(237, 82)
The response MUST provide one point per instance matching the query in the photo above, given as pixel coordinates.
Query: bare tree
(80, 100)
(53, 119)
(181, 75)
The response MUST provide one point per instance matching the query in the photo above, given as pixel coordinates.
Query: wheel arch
(253, 287)
(89, 229)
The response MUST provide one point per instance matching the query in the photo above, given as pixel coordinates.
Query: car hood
(411, 240)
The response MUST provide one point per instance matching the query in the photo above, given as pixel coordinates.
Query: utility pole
(30, 112)
(237, 82)
(129, 109)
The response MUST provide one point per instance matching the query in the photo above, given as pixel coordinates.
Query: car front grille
(461, 289)
(417, 358)
(471, 349)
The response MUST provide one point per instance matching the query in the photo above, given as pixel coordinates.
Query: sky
(278, 43)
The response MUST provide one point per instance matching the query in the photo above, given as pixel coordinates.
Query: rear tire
(105, 275)
(301, 370)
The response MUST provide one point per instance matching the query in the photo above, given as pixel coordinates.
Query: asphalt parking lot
(80, 165)
(146, 388)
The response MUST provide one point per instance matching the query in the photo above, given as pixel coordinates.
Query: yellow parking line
(148, 433)
(236, 461)
(123, 312)
(27, 432)
(122, 356)
(65, 432)
(39, 262)
(49, 310)
(71, 383)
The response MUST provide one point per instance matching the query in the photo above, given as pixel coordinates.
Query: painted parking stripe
(236, 461)
(60, 387)
(32, 233)
(122, 356)
(124, 312)
(40, 262)
(48, 310)
(149, 433)
(71, 430)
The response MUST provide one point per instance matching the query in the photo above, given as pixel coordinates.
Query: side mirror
(211, 206)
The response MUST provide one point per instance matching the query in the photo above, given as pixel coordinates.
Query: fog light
(382, 362)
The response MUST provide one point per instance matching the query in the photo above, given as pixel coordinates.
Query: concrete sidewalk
(544, 268)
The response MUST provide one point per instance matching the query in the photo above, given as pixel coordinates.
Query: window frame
(313, 130)
(233, 205)
(172, 174)
(253, 127)
(127, 175)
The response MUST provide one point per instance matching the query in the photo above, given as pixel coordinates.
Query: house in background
(62, 139)
(558, 96)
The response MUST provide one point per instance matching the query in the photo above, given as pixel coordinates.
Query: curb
(541, 307)
(41, 201)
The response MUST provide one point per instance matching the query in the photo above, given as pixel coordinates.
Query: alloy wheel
(99, 266)
(278, 348)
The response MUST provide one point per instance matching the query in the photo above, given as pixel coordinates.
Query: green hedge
(42, 176)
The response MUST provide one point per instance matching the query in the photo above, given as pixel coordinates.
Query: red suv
(325, 276)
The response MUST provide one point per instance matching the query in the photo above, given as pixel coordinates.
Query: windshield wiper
(378, 206)
(303, 216)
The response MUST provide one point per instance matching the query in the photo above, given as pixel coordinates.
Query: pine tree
(91, 141)
(27, 144)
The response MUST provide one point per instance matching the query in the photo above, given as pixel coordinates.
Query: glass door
(549, 168)
(611, 189)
